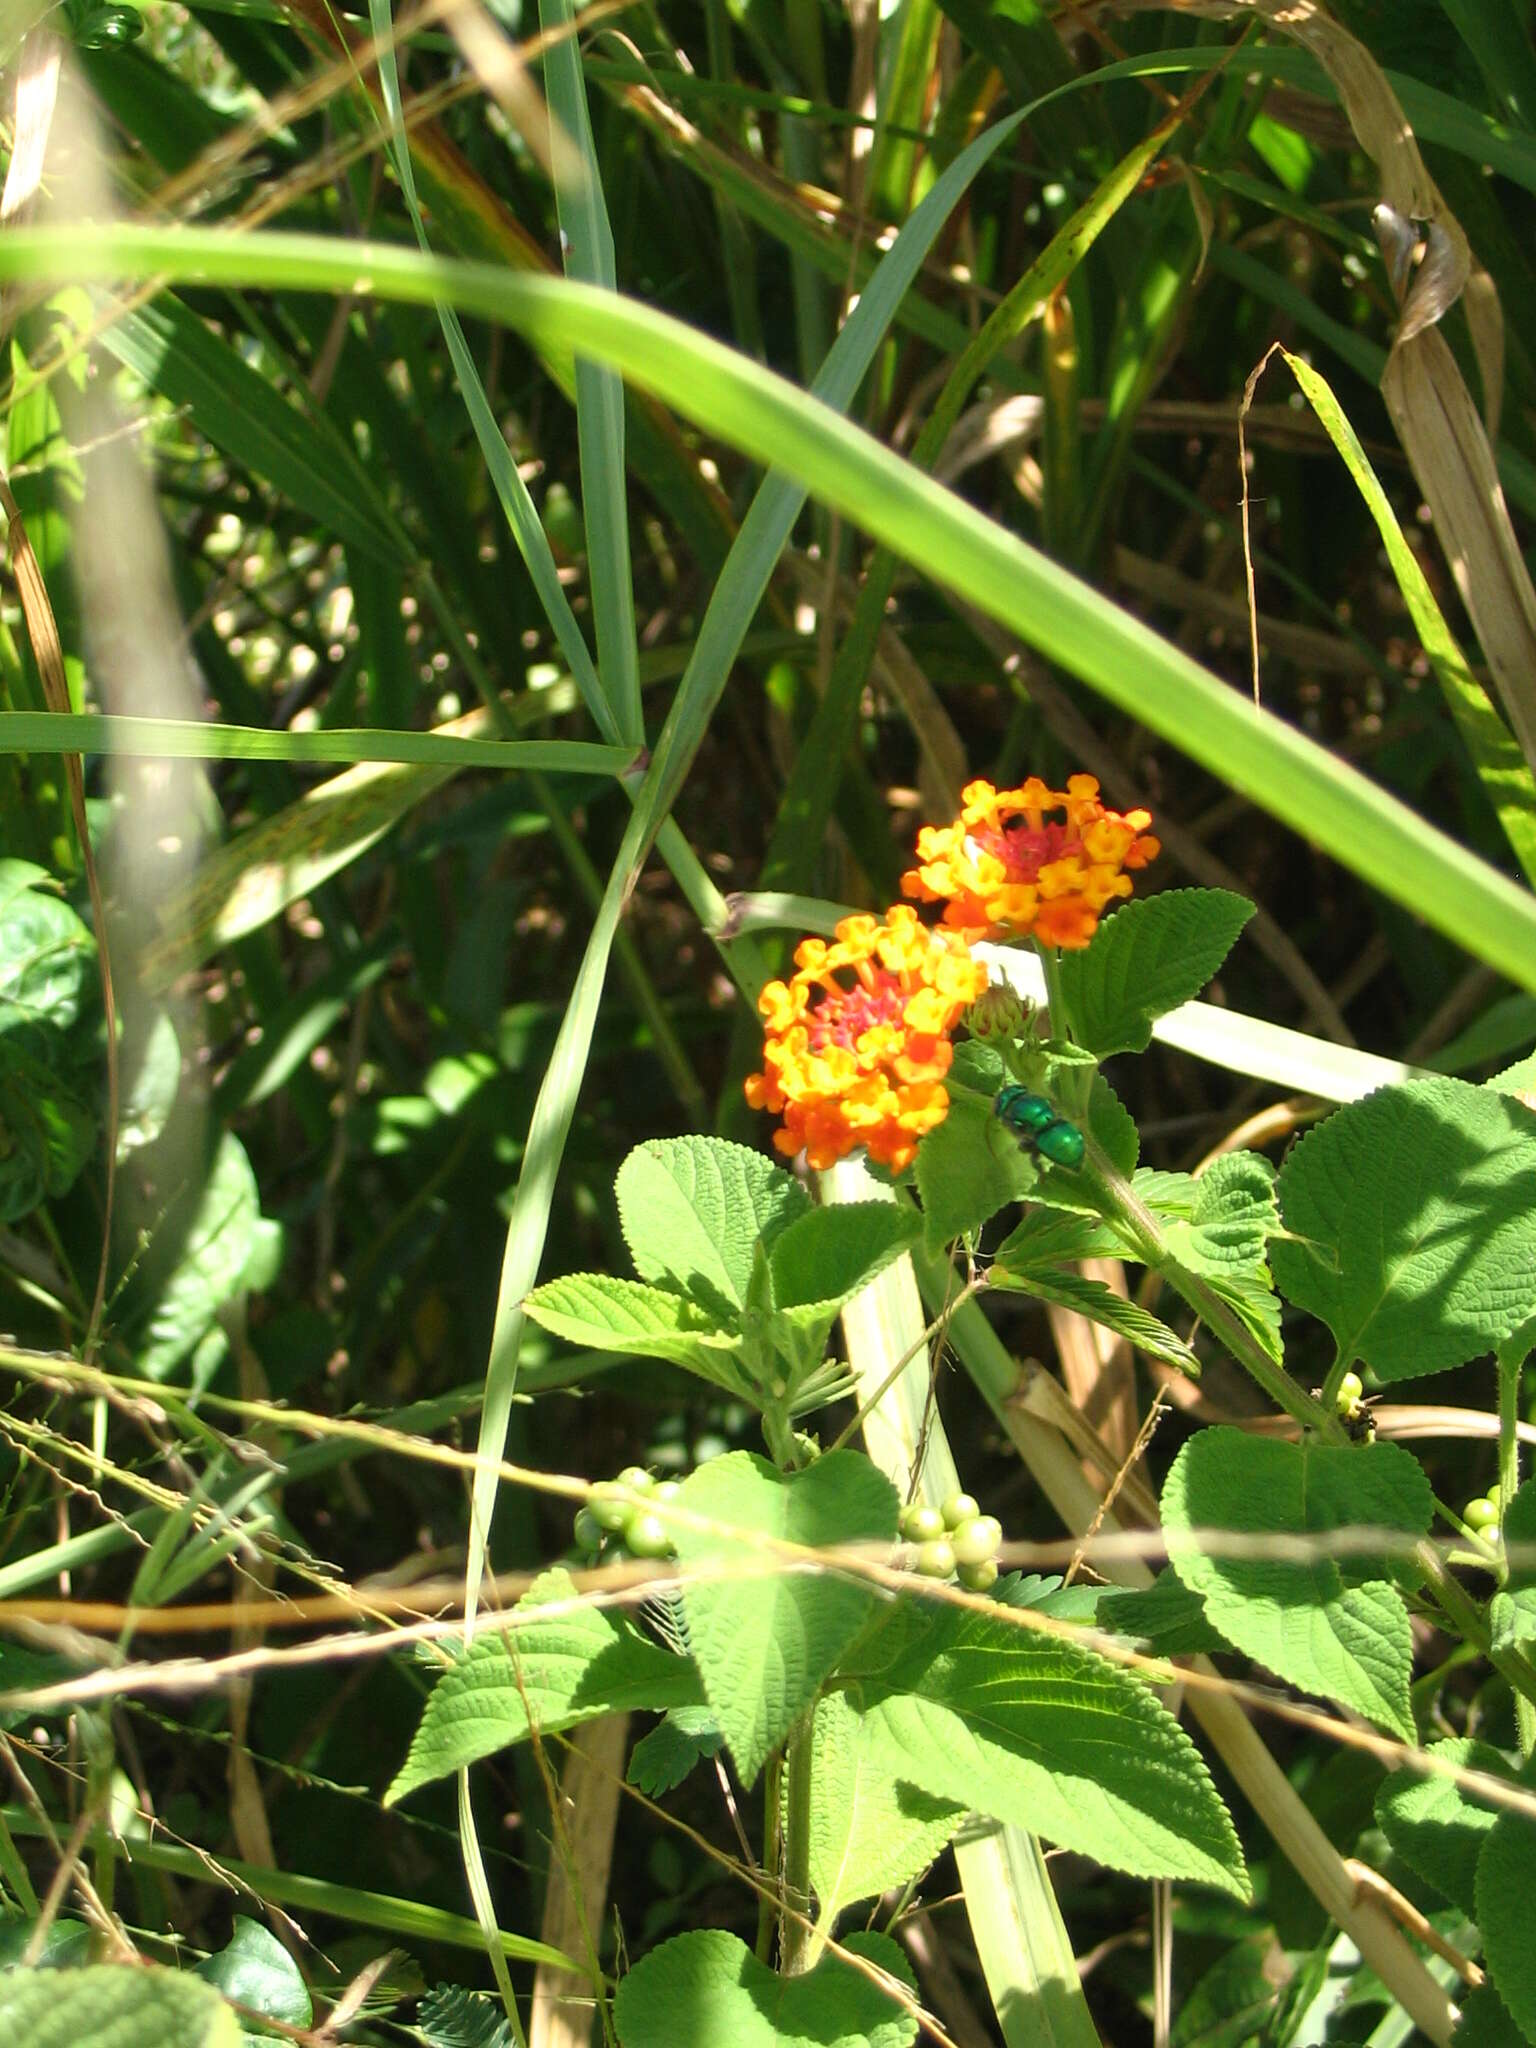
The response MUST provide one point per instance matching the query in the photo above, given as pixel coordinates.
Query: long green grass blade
(588, 241)
(186, 739)
(1257, 755)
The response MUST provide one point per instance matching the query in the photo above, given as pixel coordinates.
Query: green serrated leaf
(868, 1830)
(968, 1169)
(114, 2005)
(1232, 1215)
(452, 2017)
(602, 1313)
(764, 1643)
(1051, 1736)
(1101, 1304)
(1149, 957)
(46, 1132)
(1485, 2022)
(1417, 1228)
(254, 1970)
(693, 1209)
(547, 1674)
(823, 1259)
(1052, 1237)
(47, 958)
(1110, 1124)
(709, 1987)
(1512, 1610)
(1434, 1826)
(662, 1759)
(1506, 1913)
(1229, 2006)
(1332, 1621)
(1166, 1615)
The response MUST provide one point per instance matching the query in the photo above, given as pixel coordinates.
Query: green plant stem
(1471, 1624)
(794, 1945)
(773, 1813)
(1511, 1367)
(1331, 1385)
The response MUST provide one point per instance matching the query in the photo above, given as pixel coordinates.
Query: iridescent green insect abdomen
(1037, 1126)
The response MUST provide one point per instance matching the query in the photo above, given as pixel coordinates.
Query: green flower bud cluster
(955, 1541)
(620, 1518)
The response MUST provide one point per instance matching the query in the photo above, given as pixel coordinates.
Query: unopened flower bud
(998, 1013)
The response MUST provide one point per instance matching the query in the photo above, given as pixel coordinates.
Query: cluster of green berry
(1483, 1515)
(620, 1519)
(955, 1541)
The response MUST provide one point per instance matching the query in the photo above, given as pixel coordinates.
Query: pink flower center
(842, 1018)
(1024, 849)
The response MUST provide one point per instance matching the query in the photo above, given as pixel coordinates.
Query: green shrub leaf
(256, 1971)
(1485, 2022)
(47, 956)
(823, 1259)
(114, 2005)
(869, 1829)
(1229, 1219)
(663, 1758)
(1149, 957)
(764, 1643)
(709, 1987)
(1334, 1621)
(1506, 1913)
(1435, 1827)
(602, 1313)
(1417, 1225)
(1166, 1616)
(209, 1240)
(1512, 1610)
(968, 1169)
(693, 1210)
(1101, 1304)
(550, 1675)
(1054, 1738)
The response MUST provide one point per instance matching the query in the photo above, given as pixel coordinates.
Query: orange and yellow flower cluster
(857, 1043)
(1011, 867)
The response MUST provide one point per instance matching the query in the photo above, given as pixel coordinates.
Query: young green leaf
(1166, 1616)
(216, 1239)
(764, 1642)
(662, 1759)
(1435, 1827)
(1110, 1124)
(693, 1209)
(114, 2005)
(1149, 957)
(452, 2017)
(869, 1831)
(47, 956)
(602, 1313)
(256, 1971)
(968, 1169)
(825, 1258)
(1229, 1219)
(547, 1675)
(707, 1986)
(1101, 1304)
(1051, 1736)
(1413, 1230)
(1332, 1619)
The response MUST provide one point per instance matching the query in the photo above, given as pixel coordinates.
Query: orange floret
(1009, 868)
(857, 1043)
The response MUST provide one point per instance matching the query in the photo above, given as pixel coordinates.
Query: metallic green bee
(1037, 1126)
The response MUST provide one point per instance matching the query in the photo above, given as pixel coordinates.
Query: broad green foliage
(1506, 1914)
(451, 2017)
(1167, 1616)
(256, 1972)
(1412, 1231)
(967, 1170)
(1512, 1610)
(743, 1278)
(1152, 955)
(47, 965)
(550, 1675)
(114, 2006)
(684, 1737)
(764, 1641)
(709, 1987)
(1330, 1617)
(1050, 1736)
(1436, 1827)
(47, 958)
(1485, 2022)
(202, 1248)
(870, 1829)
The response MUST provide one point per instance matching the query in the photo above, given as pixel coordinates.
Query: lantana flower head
(1030, 862)
(857, 1043)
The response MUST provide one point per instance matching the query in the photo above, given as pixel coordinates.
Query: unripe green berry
(1351, 1393)
(1480, 1514)
(636, 1478)
(666, 1489)
(608, 1510)
(588, 1531)
(646, 1534)
(978, 1578)
(922, 1524)
(960, 1507)
(1496, 1494)
(935, 1560)
(977, 1541)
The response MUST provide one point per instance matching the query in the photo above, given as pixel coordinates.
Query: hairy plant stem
(795, 1937)
(1511, 1367)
